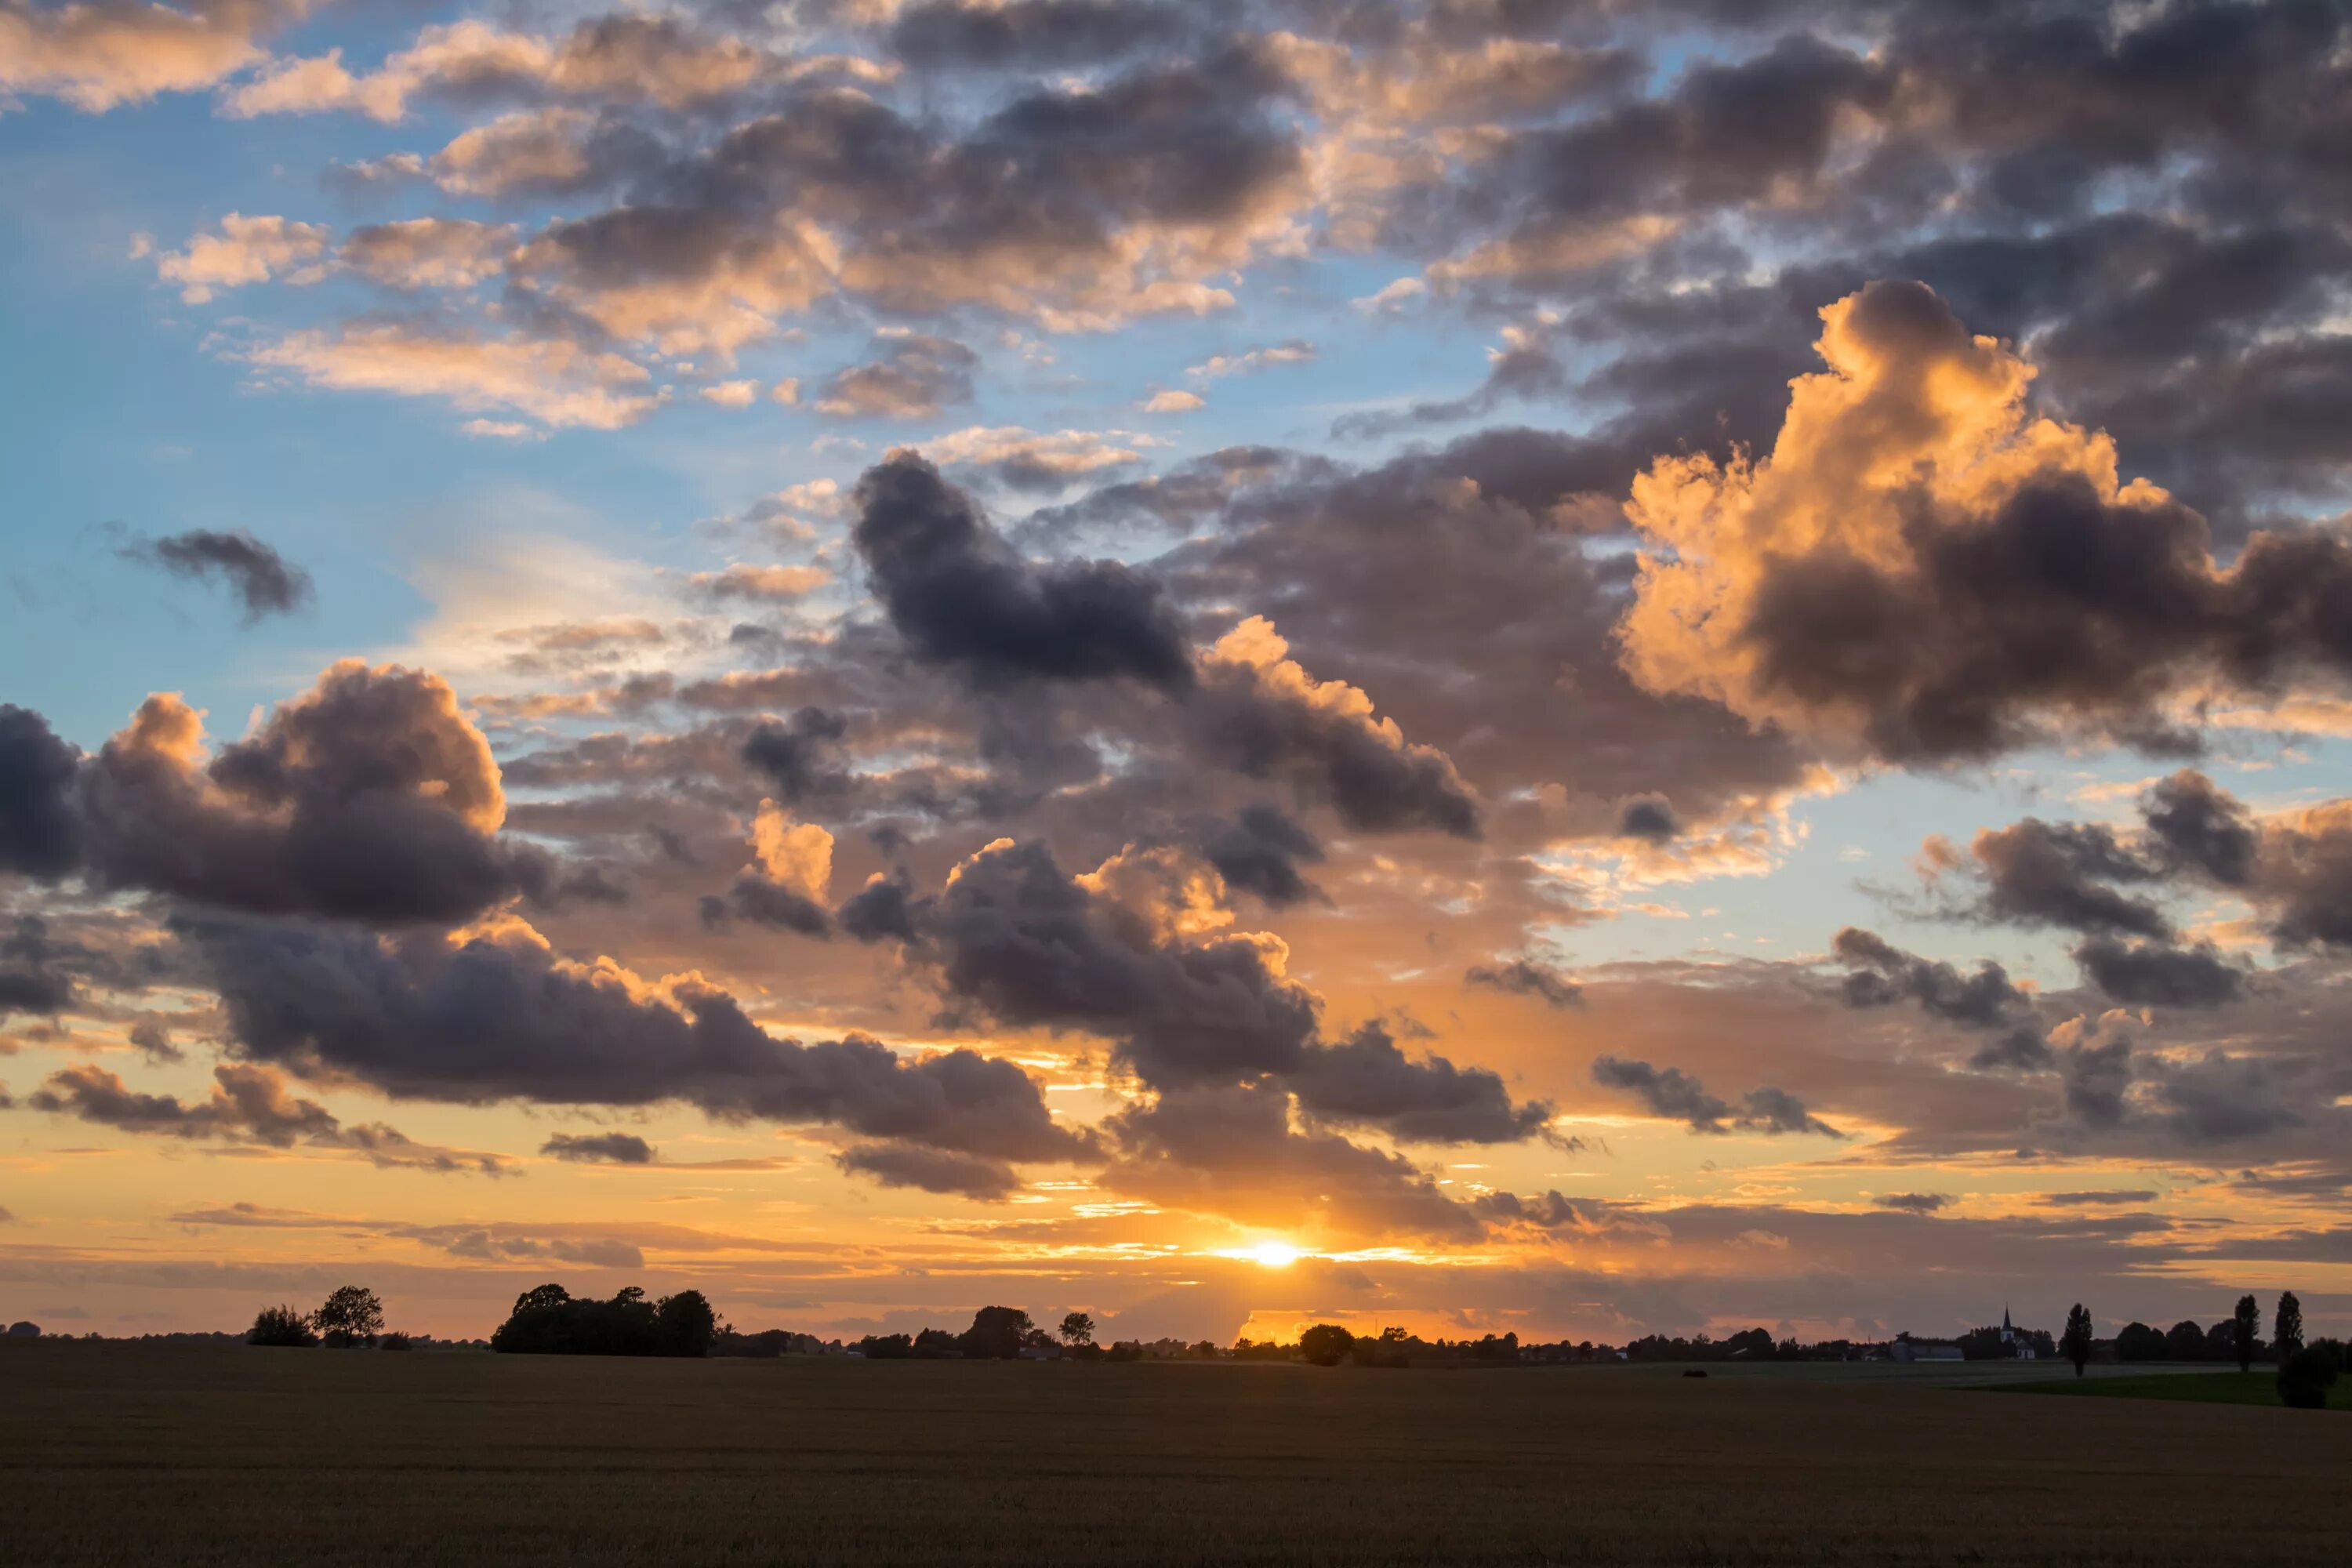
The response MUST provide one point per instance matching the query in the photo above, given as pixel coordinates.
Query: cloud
(599, 1148)
(40, 834)
(770, 584)
(960, 596)
(1989, 579)
(249, 1104)
(1260, 851)
(1364, 1080)
(915, 377)
(245, 250)
(1673, 1095)
(1914, 1203)
(429, 252)
(497, 1015)
(1882, 973)
(370, 798)
(1172, 402)
(1297, 351)
(553, 381)
(264, 582)
(1026, 461)
(930, 1170)
(1260, 712)
(1525, 977)
(97, 54)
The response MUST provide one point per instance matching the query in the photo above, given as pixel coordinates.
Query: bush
(2305, 1378)
(396, 1340)
(281, 1326)
(1326, 1344)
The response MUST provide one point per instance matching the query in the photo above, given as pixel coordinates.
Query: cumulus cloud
(1920, 570)
(429, 252)
(497, 1014)
(960, 595)
(245, 250)
(96, 54)
(264, 582)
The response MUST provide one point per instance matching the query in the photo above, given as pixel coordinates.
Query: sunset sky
(1541, 664)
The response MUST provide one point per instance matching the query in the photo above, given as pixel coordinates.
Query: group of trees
(548, 1320)
(2305, 1370)
(350, 1318)
(997, 1333)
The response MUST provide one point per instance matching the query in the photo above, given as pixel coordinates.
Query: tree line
(2307, 1371)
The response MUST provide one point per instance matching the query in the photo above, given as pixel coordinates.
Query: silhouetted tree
(1326, 1344)
(542, 1296)
(2075, 1342)
(281, 1326)
(550, 1322)
(936, 1344)
(2137, 1342)
(2286, 1332)
(997, 1333)
(1078, 1329)
(2305, 1378)
(2185, 1342)
(2246, 1329)
(685, 1324)
(886, 1347)
(352, 1316)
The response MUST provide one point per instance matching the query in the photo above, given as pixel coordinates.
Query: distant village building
(1908, 1351)
(2015, 1339)
(21, 1330)
(1041, 1352)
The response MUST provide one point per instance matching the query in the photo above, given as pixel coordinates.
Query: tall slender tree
(2246, 1331)
(2287, 1333)
(2075, 1342)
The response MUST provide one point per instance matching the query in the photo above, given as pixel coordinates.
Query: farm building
(1908, 1351)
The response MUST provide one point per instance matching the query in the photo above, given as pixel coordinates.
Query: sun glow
(1272, 1254)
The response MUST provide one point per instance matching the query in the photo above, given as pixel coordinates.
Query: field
(2257, 1387)
(125, 1455)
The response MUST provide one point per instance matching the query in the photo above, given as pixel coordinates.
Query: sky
(1539, 666)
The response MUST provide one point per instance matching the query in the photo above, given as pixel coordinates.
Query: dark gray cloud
(370, 797)
(959, 594)
(1365, 1080)
(265, 583)
(931, 1170)
(1260, 851)
(2040, 873)
(2160, 974)
(1038, 34)
(763, 900)
(487, 1021)
(40, 836)
(1914, 1203)
(1526, 977)
(792, 756)
(249, 1104)
(599, 1148)
(1675, 1095)
(1882, 973)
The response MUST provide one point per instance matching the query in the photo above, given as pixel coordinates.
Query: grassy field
(125, 1455)
(2257, 1387)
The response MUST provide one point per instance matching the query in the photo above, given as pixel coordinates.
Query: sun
(1273, 1254)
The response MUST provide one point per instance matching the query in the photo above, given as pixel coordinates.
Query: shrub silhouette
(2305, 1378)
(352, 1316)
(281, 1326)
